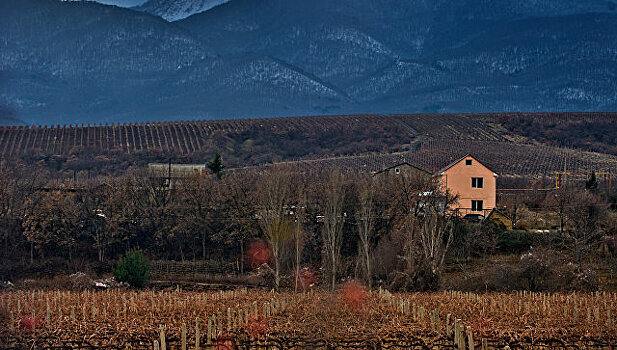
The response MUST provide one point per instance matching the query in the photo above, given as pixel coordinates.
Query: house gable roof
(497, 211)
(400, 164)
(442, 170)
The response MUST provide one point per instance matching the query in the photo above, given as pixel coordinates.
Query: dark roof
(403, 163)
(495, 210)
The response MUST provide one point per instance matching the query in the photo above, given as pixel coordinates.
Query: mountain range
(85, 62)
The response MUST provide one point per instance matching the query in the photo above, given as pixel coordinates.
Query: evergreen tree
(216, 165)
(134, 269)
(592, 183)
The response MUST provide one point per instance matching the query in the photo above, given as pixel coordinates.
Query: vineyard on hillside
(453, 127)
(185, 138)
(349, 318)
(508, 143)
(507, 159)
(593, 131)
(111, 149)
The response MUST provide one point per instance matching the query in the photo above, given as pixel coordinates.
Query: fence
(193, 268)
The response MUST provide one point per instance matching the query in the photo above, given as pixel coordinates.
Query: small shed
(499, 218)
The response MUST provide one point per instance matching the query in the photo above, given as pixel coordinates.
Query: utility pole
(169, 174)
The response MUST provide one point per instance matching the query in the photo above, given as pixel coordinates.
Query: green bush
(134, 269)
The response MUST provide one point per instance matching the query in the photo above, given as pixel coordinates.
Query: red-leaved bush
(258, 253)
(225, 342)
(257, 327)
(30, 323)
(353, 294)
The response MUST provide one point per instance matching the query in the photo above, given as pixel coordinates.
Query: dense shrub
(76, 281)
(421, 279)
(543, 270)
(474, 240)
(517, 241)
(134, 269)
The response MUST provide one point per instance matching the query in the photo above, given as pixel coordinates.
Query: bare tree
(436, 234)
(54, 223)
(10, 203)
(298, 230)
(588, 216)
(274, 203)
(558, 201)
(92, 199)
(409, 191)
(332, 232)
(197, 195)
(424, 223)
(120, 212)
(154, 199)
(366, 222)
(237, 201)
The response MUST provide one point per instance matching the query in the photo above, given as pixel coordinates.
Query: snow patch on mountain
(359, 39)
(259, 73)
(401, 77)
(122, 3)
(175, 10)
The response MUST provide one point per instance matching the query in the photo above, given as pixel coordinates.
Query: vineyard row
(505, 158)
(179, 138)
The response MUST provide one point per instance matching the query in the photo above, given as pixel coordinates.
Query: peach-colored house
(473, 182)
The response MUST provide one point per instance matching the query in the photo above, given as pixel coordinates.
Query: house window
(468, 162)
(477, 205)
(397, 171)
(477, 182)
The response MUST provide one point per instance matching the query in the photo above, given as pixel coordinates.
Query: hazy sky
(123, 3)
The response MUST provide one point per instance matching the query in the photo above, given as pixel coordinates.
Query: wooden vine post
(197, 333)
(183, 336)
(470, 339)
(163, 343)
(209, 334)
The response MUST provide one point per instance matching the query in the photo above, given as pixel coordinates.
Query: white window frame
(475, 182)
(475, 207)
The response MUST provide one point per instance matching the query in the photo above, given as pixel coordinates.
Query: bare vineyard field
(187, 137)
(505, 158)
(513, 144)
(314, 320)
(453, 127)
(593, 131)
(508, 158)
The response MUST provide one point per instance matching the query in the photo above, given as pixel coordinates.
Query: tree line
(394, 228)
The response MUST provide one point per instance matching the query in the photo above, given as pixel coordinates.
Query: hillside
(595, 132)
(7, 117)
(246, 58)
(353, 142)
(109, 63)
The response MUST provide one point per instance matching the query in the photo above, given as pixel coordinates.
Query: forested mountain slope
(72, 61)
